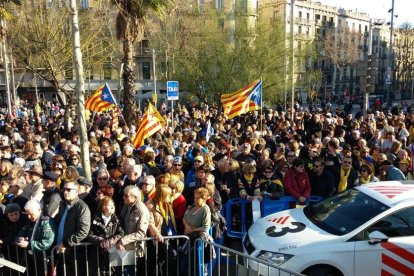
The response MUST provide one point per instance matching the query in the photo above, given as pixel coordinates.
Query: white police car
(368, 230)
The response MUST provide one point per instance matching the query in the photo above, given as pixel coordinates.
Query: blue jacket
(394, 173)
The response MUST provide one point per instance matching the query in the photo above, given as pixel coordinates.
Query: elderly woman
(197, 220)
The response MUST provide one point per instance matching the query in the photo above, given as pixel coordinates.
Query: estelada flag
(151, 122)
(101, 100)
(243, 100)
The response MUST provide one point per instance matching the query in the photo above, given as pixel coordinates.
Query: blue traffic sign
(172, 90)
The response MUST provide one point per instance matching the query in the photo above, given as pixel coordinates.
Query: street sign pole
(172, 114)
(172, 94)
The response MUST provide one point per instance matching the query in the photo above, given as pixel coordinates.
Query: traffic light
(371, 73)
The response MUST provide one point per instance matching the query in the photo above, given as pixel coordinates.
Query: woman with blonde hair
(5, 167)
(208, 162)
(162, 223)
(179, 204)
(162, 219)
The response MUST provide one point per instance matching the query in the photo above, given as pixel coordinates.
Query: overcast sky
(378, 8)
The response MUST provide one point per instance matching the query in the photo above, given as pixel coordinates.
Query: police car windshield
(343, 213)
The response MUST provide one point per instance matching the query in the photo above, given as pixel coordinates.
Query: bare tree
(342, 47)
(404, 56)
(42, 43)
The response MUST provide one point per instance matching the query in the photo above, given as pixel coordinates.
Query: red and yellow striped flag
(243, 100)
(101, 100)
(151, 123)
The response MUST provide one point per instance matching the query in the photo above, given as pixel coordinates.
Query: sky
(378, 8)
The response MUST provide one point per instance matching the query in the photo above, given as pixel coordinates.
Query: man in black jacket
(73, 222)
(321, 180)
(51, 194)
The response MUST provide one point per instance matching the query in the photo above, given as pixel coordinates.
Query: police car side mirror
(377, 237)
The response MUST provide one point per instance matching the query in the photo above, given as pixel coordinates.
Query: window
(146, 70)
(398, 224)
(317, 16)
(307, 16)
(107, 70)
(300, 14)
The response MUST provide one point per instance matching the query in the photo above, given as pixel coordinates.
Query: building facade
(314, 21)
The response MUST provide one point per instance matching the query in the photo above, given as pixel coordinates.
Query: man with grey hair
(36, 236)
(39, 233)
(135, 218)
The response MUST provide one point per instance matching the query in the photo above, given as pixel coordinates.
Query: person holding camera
(270, 185)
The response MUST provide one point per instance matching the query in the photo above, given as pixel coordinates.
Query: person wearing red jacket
(296, 181)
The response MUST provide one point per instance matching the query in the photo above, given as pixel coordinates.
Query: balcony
(144, 52)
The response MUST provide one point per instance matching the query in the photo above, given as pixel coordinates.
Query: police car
(368, 230)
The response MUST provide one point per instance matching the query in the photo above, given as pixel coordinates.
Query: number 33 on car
(368, 230)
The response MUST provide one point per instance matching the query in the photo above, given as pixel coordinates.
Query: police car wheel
(322, 271)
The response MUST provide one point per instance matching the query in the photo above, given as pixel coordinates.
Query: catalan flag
(101, 99)
(243, 100)
(151, 123)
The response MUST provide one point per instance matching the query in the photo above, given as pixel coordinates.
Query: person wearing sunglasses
(73, 223)
(271, 186)
(321, 179)
(175, 173)
(296, 181)
(346, 175)
(366, 175)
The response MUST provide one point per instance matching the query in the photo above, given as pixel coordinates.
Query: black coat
(323, 185)
(51, 200)
(77, 223)
(111, 232)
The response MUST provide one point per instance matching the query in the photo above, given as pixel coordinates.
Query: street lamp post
(292, 70)
(391, 54)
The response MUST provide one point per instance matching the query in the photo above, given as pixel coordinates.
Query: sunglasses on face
(103, 178)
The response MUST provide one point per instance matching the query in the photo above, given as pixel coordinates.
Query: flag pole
(261, 109)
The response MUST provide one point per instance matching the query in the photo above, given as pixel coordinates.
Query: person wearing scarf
(249, 187)
(296, 181)
(347, 175)
(366, 176)
(147, 187)
(270, 185)
(162, 223)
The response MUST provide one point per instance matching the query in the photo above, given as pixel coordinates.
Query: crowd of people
(177, 183)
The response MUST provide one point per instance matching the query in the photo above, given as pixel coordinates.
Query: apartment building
(312, 21)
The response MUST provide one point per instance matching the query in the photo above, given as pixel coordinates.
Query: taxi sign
(172, 90)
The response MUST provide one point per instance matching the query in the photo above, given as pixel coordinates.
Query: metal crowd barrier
(236, 210)
(35, 263)
(158, 259)
(231, 262)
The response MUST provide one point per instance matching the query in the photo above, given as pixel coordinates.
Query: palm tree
(130, 29)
